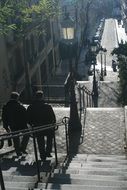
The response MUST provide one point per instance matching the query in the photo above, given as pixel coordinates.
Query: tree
(18, 14)
(27, 18)
(121, 53)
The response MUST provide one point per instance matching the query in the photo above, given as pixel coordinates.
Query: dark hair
(39, 94)
(14, 95)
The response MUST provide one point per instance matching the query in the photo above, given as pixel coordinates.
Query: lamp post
(105, 52)
(101, 53)
(95, 85)
(68, 38)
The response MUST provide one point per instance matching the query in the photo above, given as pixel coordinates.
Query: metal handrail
(87, 94)
(32, 130)
(28, 131)
(66, 87)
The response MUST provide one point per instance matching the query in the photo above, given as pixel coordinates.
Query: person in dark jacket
(14, 118)
(41, 114)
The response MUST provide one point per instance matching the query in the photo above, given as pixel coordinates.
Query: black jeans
(20, 143)
(45, 143)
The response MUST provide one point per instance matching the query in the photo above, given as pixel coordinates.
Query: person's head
(14, 96)
(39, 95)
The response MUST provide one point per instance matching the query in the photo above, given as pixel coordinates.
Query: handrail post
(80, 101)
(66, 95)
(1, 178)
(83, 100)
(66, 121)
(36, 156)
(66, 88)
(87, 99)
(55, 149)
(80, 94)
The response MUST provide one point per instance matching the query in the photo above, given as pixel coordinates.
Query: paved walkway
(120, 35)
(104, 131)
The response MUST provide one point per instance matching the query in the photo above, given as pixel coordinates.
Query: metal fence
(85, 98)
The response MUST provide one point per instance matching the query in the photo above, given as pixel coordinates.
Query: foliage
(121, 50)
(18, 14)
(5, 12)
(121, 53)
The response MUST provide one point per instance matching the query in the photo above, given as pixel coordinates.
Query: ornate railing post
(74, 122)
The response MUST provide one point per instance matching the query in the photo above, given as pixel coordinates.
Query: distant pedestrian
(14, 118)
(114, 64)
(41, 114)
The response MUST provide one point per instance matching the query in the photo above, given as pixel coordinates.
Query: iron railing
(31, 131)
(85, 98)
(54, 94)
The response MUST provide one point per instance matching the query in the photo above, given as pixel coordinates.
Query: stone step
(108, 156)
(96, 158)
(94, 172)
(100, 159)
(98, 165)
(68, 180)
(17, 188)
(12, 184)
(99, 169)
(70, 187)
(84, 187)
(87, 184)
(89, 176)
(16, 178)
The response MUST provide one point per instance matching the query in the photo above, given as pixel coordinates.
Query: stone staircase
(99, 163)
(82, 171)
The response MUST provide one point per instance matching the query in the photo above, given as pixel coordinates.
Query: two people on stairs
(16, 117)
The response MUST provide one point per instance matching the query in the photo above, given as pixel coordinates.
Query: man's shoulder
(21, 106)
(47, 105)
(39, 105)
(4, 107)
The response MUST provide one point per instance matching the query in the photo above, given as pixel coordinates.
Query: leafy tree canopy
(121, 50)
(121, 53)
(17, 14)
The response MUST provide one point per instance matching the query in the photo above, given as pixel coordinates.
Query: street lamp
(68, 27)
(95, 87)
(68, 36)
(101, 53)
(105, 52)
(68, 39)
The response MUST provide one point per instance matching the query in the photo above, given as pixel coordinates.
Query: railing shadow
(37, 166)
(73, 142)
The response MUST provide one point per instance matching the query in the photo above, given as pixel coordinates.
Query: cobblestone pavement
(108, 92)
(104, 131)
